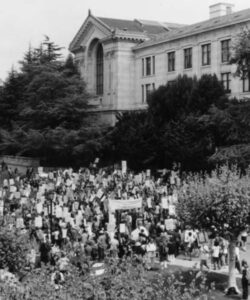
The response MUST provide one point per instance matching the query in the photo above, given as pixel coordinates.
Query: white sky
(24, 22)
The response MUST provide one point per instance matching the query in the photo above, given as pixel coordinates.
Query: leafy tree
(179, 125)
(231, 129)
(241, 53)
(49, 118)
(186, 95)
(132, 133)
(222, 201)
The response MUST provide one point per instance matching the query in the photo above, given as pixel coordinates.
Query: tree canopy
(43, 110)
(219, 202)
(180, 125)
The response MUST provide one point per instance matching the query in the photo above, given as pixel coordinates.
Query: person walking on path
(245, 279)
(204, 256)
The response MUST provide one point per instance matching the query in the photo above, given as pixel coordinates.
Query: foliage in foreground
(122, 280)
(13, 250)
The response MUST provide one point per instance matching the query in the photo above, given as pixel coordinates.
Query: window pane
(171, 61)
(99, 70)
(246, 82)
(148, 91)
(148, 65)
(225, 51)
(206, 54)
(142, 93)
(153, 57)
(226, 81)
(188, 58)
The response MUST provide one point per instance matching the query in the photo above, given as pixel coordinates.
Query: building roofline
(76, 38)
(222, 3)
(165, 38)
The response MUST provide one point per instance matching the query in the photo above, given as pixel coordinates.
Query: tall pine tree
(46, 104)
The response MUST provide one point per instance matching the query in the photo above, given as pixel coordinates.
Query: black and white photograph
(124, 150)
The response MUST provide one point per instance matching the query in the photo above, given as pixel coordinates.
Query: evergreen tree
(49, 105)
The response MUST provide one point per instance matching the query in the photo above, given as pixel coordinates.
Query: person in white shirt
(204, 256)
(215, 255)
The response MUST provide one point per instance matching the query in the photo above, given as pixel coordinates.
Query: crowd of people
(84, 216)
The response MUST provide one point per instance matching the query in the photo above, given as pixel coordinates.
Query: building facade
(123, 61)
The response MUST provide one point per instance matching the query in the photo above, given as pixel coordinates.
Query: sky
(25, 22)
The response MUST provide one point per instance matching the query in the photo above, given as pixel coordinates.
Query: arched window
(99, 70)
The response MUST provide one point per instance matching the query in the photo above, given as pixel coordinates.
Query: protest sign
(124, 166)
(19, 223)
(125, 204)
(13, 189)
(11, 181)
(91, 178)
(38, 222)
(1, 207)
(122, 228)
(23, 200)
(164, 202)
(172, 210)
(170, 224)
(40, 170)
(99, 194)
(17, 195)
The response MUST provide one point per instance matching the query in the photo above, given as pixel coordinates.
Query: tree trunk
(232, 285)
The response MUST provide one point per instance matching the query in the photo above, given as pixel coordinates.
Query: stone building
(122, 61)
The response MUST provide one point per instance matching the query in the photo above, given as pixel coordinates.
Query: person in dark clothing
(245, 279)
(45, 252)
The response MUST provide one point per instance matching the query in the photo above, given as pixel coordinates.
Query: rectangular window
(246, 82)
(171, 82)
(226, 81)
(171, 61)
(188, 58)
(153, 62)
(142, 93)
(148, 66)
(225, 50)
(206, 54)
(148, 90)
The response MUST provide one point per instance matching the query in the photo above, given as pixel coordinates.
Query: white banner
(125, 204)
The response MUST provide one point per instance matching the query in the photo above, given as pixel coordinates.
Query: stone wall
(20, 162)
